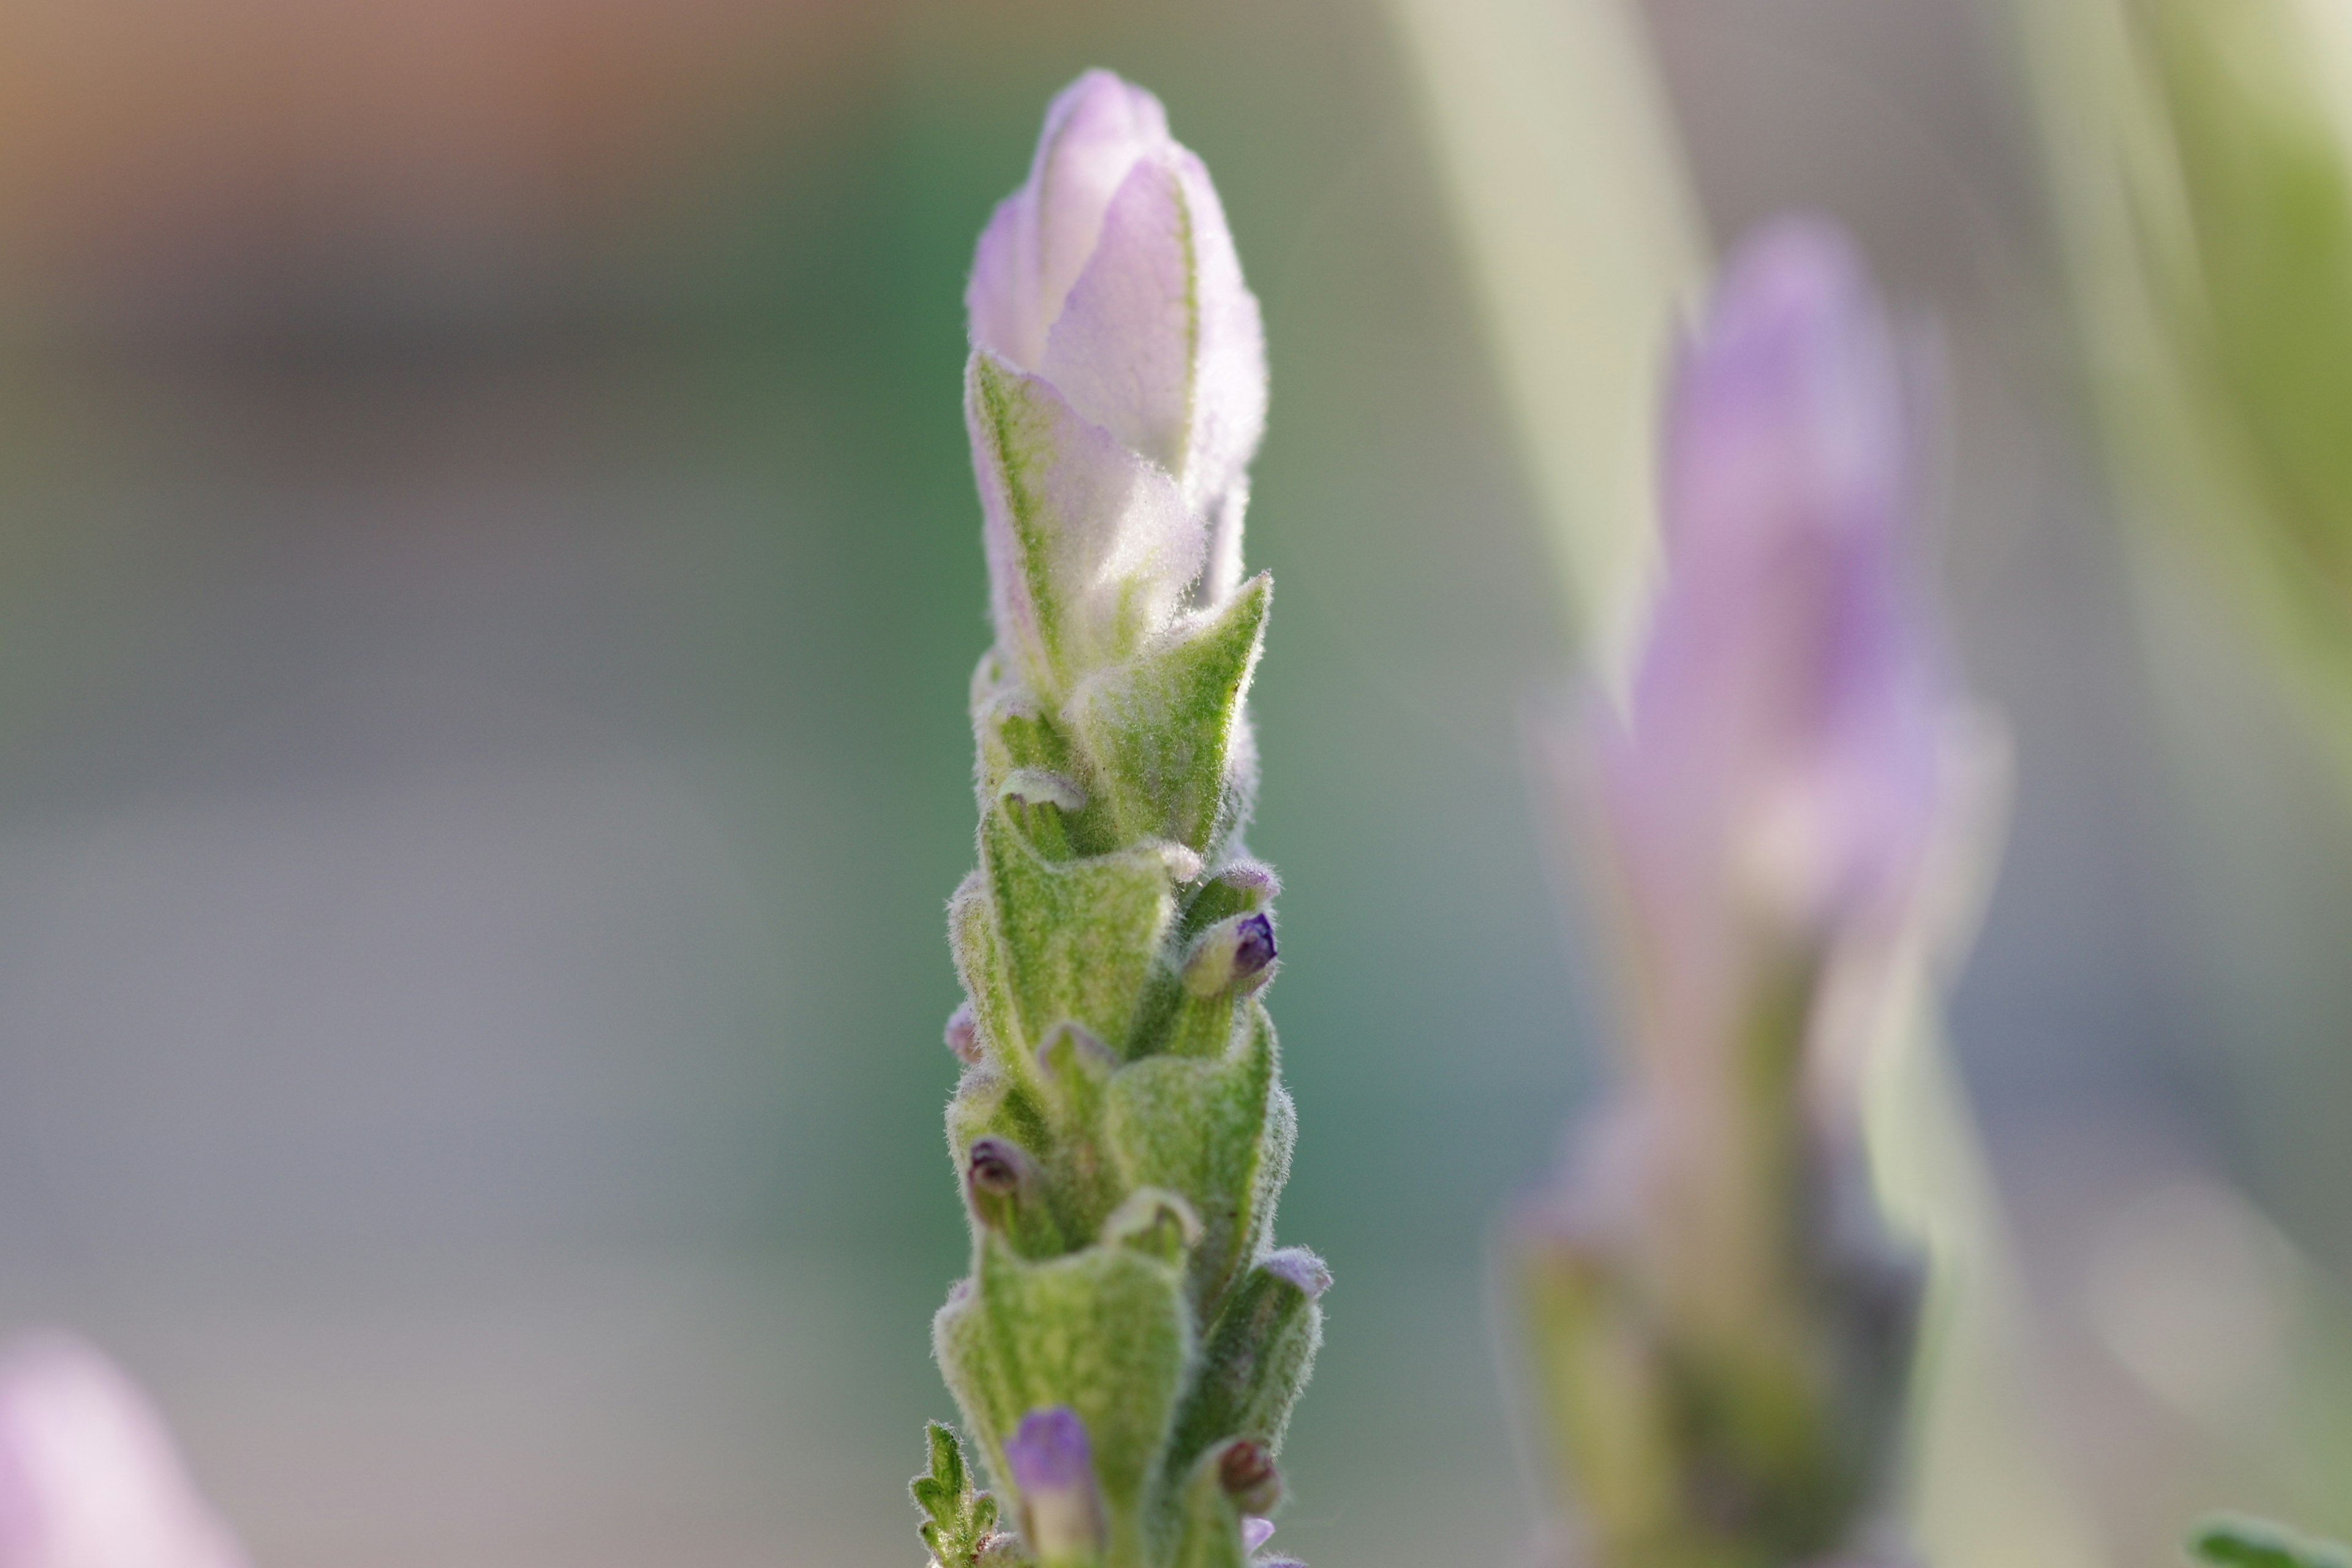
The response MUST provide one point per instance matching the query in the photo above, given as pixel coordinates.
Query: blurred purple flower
(1052, 1468)
(1772, 787)
(89, 1478)
(1116, 389)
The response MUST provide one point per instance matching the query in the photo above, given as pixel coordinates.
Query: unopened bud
(1052, 1468)
(1296, 1266)
(1231, 952)
(963, 1034)
(1254, 877)
(1249, 1477)
(1006, 1194)
(995, 1166)
(1256, 1532)
(997, 1174)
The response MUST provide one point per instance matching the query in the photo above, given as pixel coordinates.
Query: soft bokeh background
(488, 575)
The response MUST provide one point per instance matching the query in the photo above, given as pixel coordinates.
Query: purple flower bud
(88, 1475)
(1246, 1473)
(1112, 273)
(1118, 388)
(1773, 786)
(1053, 1469)
(1297, 1266)
(1252, 946)
(963, 1034)
(995, 1167)
(1231, 952)
(1254, 876)
(1256, 1533)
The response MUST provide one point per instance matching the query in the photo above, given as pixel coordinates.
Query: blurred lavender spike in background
(1053, 1465)
(1775, 781)
(1723, 1330)
(89, 1478)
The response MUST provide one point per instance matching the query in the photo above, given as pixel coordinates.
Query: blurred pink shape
(88, 1476)
(1771, 795)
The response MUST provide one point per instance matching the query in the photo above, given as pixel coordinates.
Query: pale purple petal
(1256, 1532)
(89, 1478)
(1090, 547)
(1053, 1469)
(1229, 389)
(1040, 237)
(1121, 349)
(1778, 767)
(1160, 342)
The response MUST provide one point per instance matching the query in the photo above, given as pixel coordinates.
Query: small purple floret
(963, 1034)
(1252, 946)
(1051, 1451)
(1256, 1532)
(1298, 1266)
(1052, 1468)
(1254, 875)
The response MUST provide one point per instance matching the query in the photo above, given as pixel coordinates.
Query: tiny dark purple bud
(1249, 1477)
(1252, 946)
(995, 1167)
(1053, 1469)
(1002, 1185)
(1236, 951)
(963, 1034)
(1298, 1266)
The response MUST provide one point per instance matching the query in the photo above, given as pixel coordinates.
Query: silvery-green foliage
(1130, 1341)
(2231, 1542)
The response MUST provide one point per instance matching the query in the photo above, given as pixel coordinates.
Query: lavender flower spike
(89, 1478)
(1117, 390)
(1722, 1326)
(1121, 1123)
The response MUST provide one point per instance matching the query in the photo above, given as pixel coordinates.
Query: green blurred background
(488, 570)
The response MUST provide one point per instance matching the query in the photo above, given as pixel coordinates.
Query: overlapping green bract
(1132, 1133)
